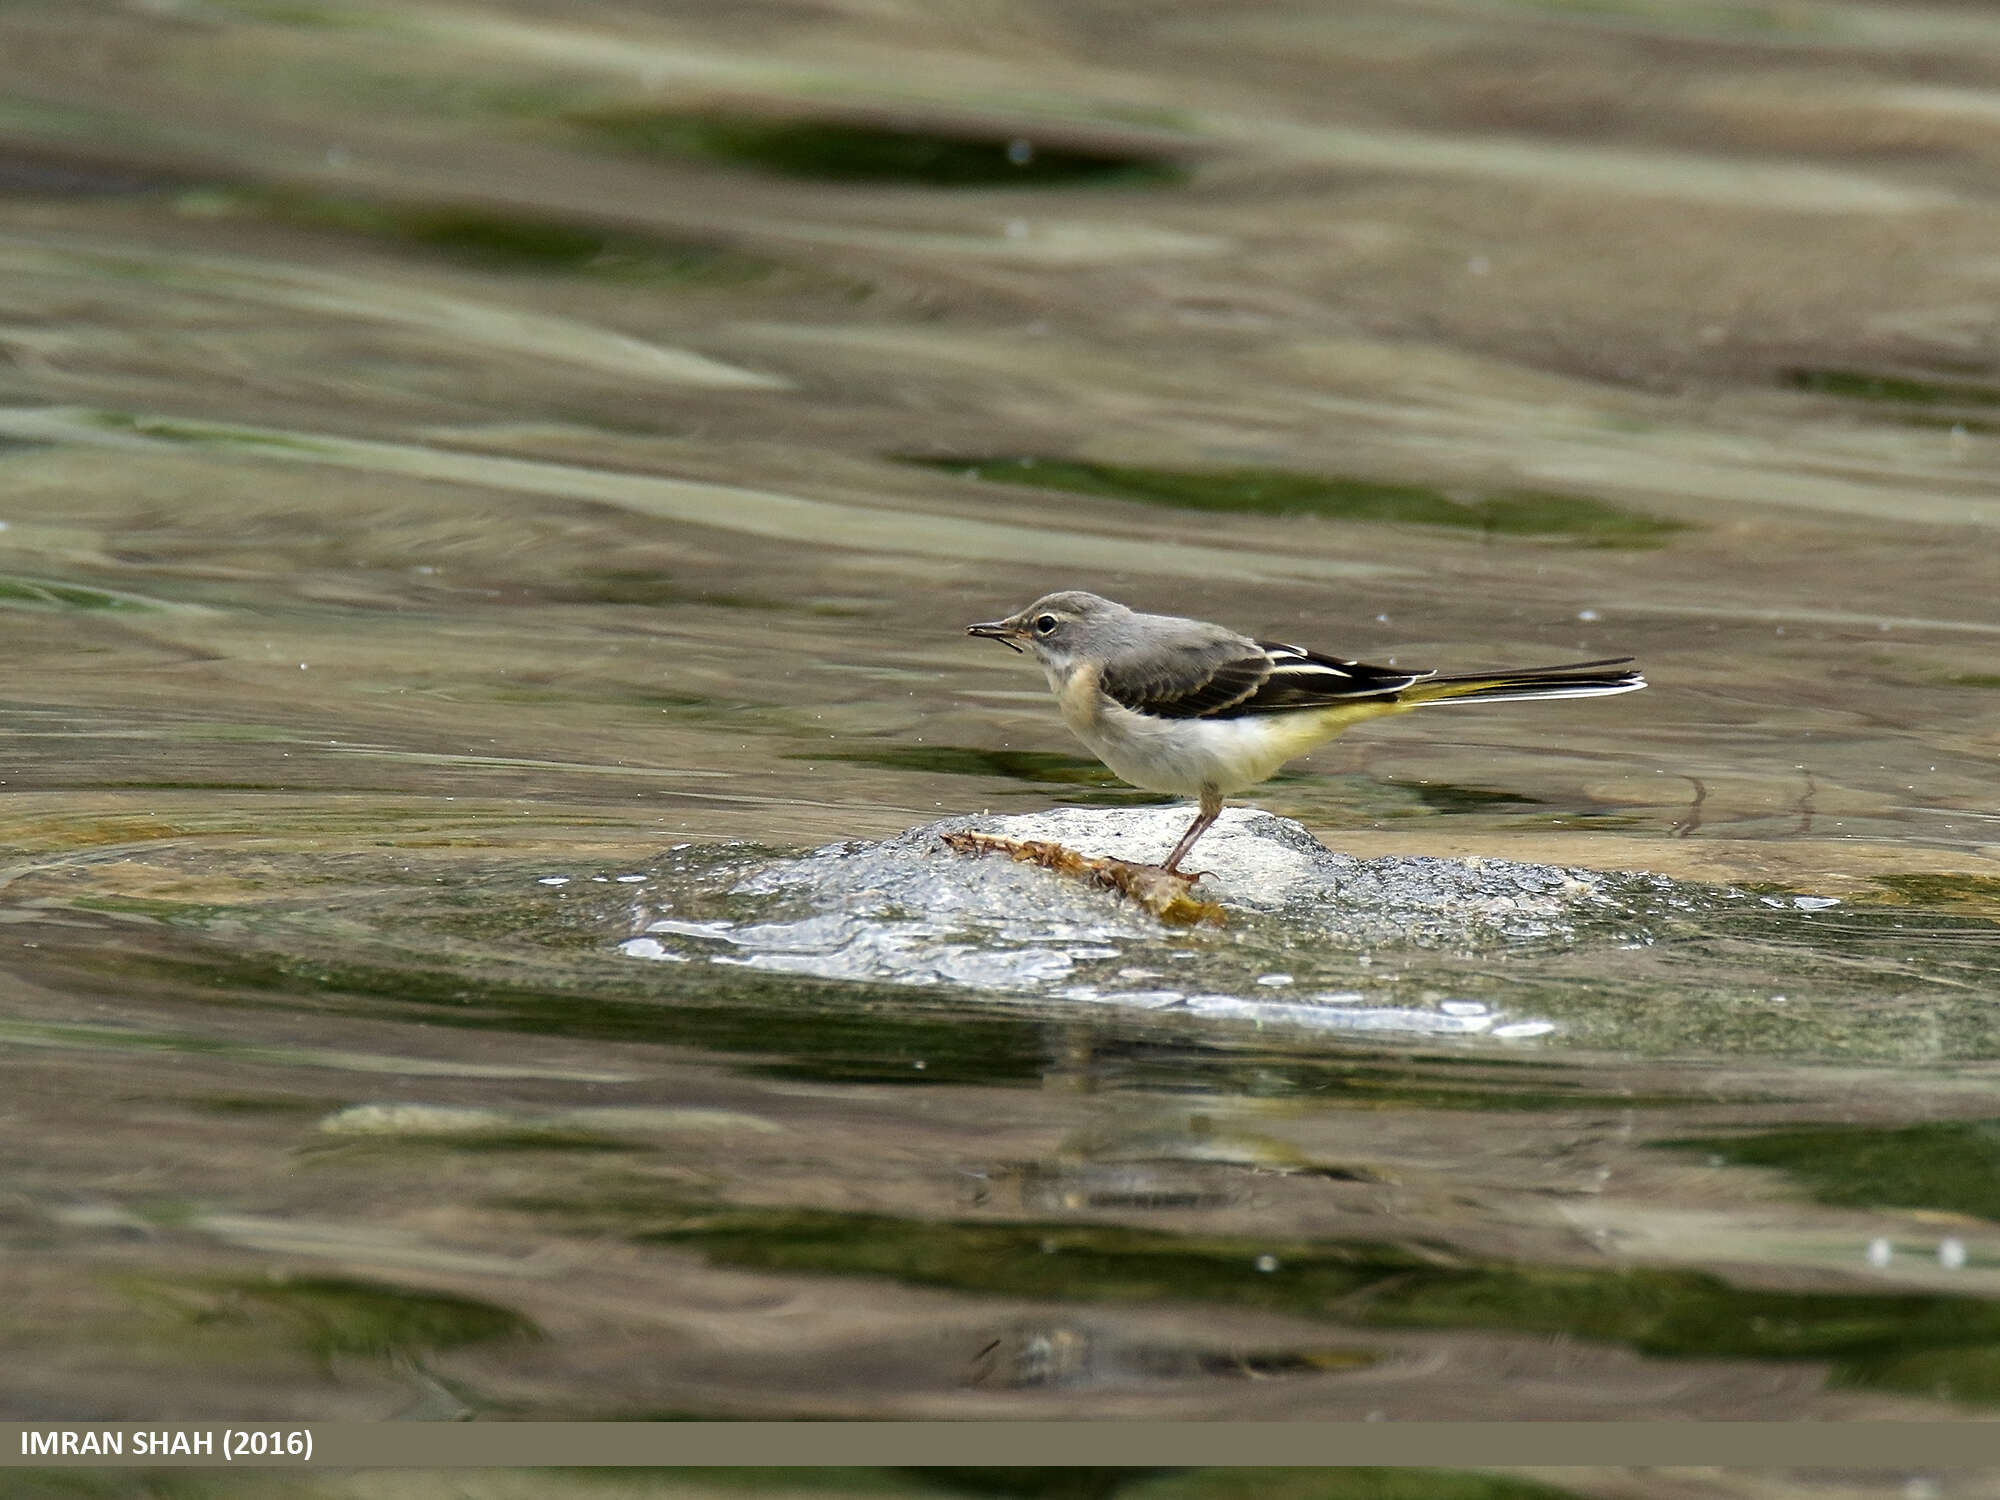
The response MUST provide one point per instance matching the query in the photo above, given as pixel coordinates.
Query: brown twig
(1167, 894)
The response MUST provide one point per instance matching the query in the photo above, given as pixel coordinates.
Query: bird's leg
(1211, 809)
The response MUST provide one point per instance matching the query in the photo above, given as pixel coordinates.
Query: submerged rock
(908, 910)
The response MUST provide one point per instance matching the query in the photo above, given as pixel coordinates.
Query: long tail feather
(1582, 679)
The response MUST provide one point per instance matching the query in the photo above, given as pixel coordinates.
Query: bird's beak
(1003, 631)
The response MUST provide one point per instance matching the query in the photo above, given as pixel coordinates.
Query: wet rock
(910, 911)
(1253, 863)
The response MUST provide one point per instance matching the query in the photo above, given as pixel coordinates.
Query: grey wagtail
(1182, 706)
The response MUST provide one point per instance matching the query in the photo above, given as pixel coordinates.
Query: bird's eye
(1045, 624)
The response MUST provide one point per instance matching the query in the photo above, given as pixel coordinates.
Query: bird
(1197, 710)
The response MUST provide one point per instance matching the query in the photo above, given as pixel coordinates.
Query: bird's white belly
(1185, 755)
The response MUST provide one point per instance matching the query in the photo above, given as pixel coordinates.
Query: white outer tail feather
(1570, 692)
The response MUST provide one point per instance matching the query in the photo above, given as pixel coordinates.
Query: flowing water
(486, 486)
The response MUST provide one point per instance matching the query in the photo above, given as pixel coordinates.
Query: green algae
(332, 1315)
(1371, 1083)
(1866, 385)
(254, 1104)
(1981, 892)
(1079, 1483)
(1285, 492)
(1359, 1482)
(852, 151)
(502, 1140)
(1700, 19)
(1038, 766)
(301, 13)
(797, 1029)
(47, 593)
(1937, 1344)
(1445, 797)
(1952, 1166)
(328, 1316)
(483, 238)
(203, 434)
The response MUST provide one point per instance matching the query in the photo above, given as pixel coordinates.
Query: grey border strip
(1926, 1446)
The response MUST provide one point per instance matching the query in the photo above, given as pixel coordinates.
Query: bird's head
(1058, 628)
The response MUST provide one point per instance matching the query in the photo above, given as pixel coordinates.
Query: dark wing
(1194, 682)
(1306, 679)
(1225, 679)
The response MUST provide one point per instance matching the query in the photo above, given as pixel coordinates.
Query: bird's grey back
(1172, 634)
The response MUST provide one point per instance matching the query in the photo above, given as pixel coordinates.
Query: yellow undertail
(1313, 729)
